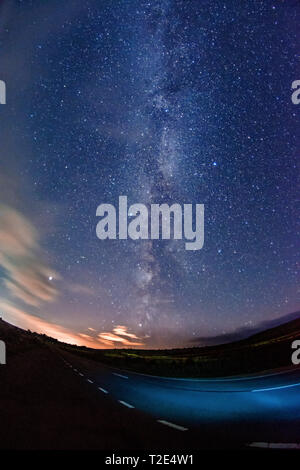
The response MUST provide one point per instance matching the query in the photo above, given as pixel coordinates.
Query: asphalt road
(262, 408)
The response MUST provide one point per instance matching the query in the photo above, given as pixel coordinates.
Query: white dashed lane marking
(125, 404)
(172, 425)
(120, 375)
(128, 405)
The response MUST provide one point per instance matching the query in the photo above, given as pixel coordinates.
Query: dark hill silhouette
(249, 332)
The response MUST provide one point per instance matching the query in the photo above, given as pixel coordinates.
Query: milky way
(162, 101)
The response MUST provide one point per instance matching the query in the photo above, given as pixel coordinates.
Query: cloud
(83, 335)
(120, 335)
(23, 319)
(21, 294)
(122, 330)
(80, 289)
(26, 274)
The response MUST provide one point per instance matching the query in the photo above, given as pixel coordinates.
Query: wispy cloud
(23, 319)
(122, 330)
(27, 275)
(77, 288)
(120, 335)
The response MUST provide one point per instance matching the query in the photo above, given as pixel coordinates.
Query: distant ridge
(248, 332)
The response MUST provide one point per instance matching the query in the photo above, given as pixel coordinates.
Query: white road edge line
(102, 390)
(89, 380)
(125, 404)
(80, 374)
(275, 388)
(120, 375)
(172, 425)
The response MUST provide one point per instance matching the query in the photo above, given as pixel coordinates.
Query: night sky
(169, 101)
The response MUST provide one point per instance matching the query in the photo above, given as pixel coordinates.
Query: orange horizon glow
(104, 340)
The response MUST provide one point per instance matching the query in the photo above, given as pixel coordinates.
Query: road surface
(263, 408)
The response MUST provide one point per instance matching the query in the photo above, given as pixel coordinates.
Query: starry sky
(169, 101)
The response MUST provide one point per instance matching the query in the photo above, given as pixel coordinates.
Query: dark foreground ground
(44, 405)
(51, 398)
